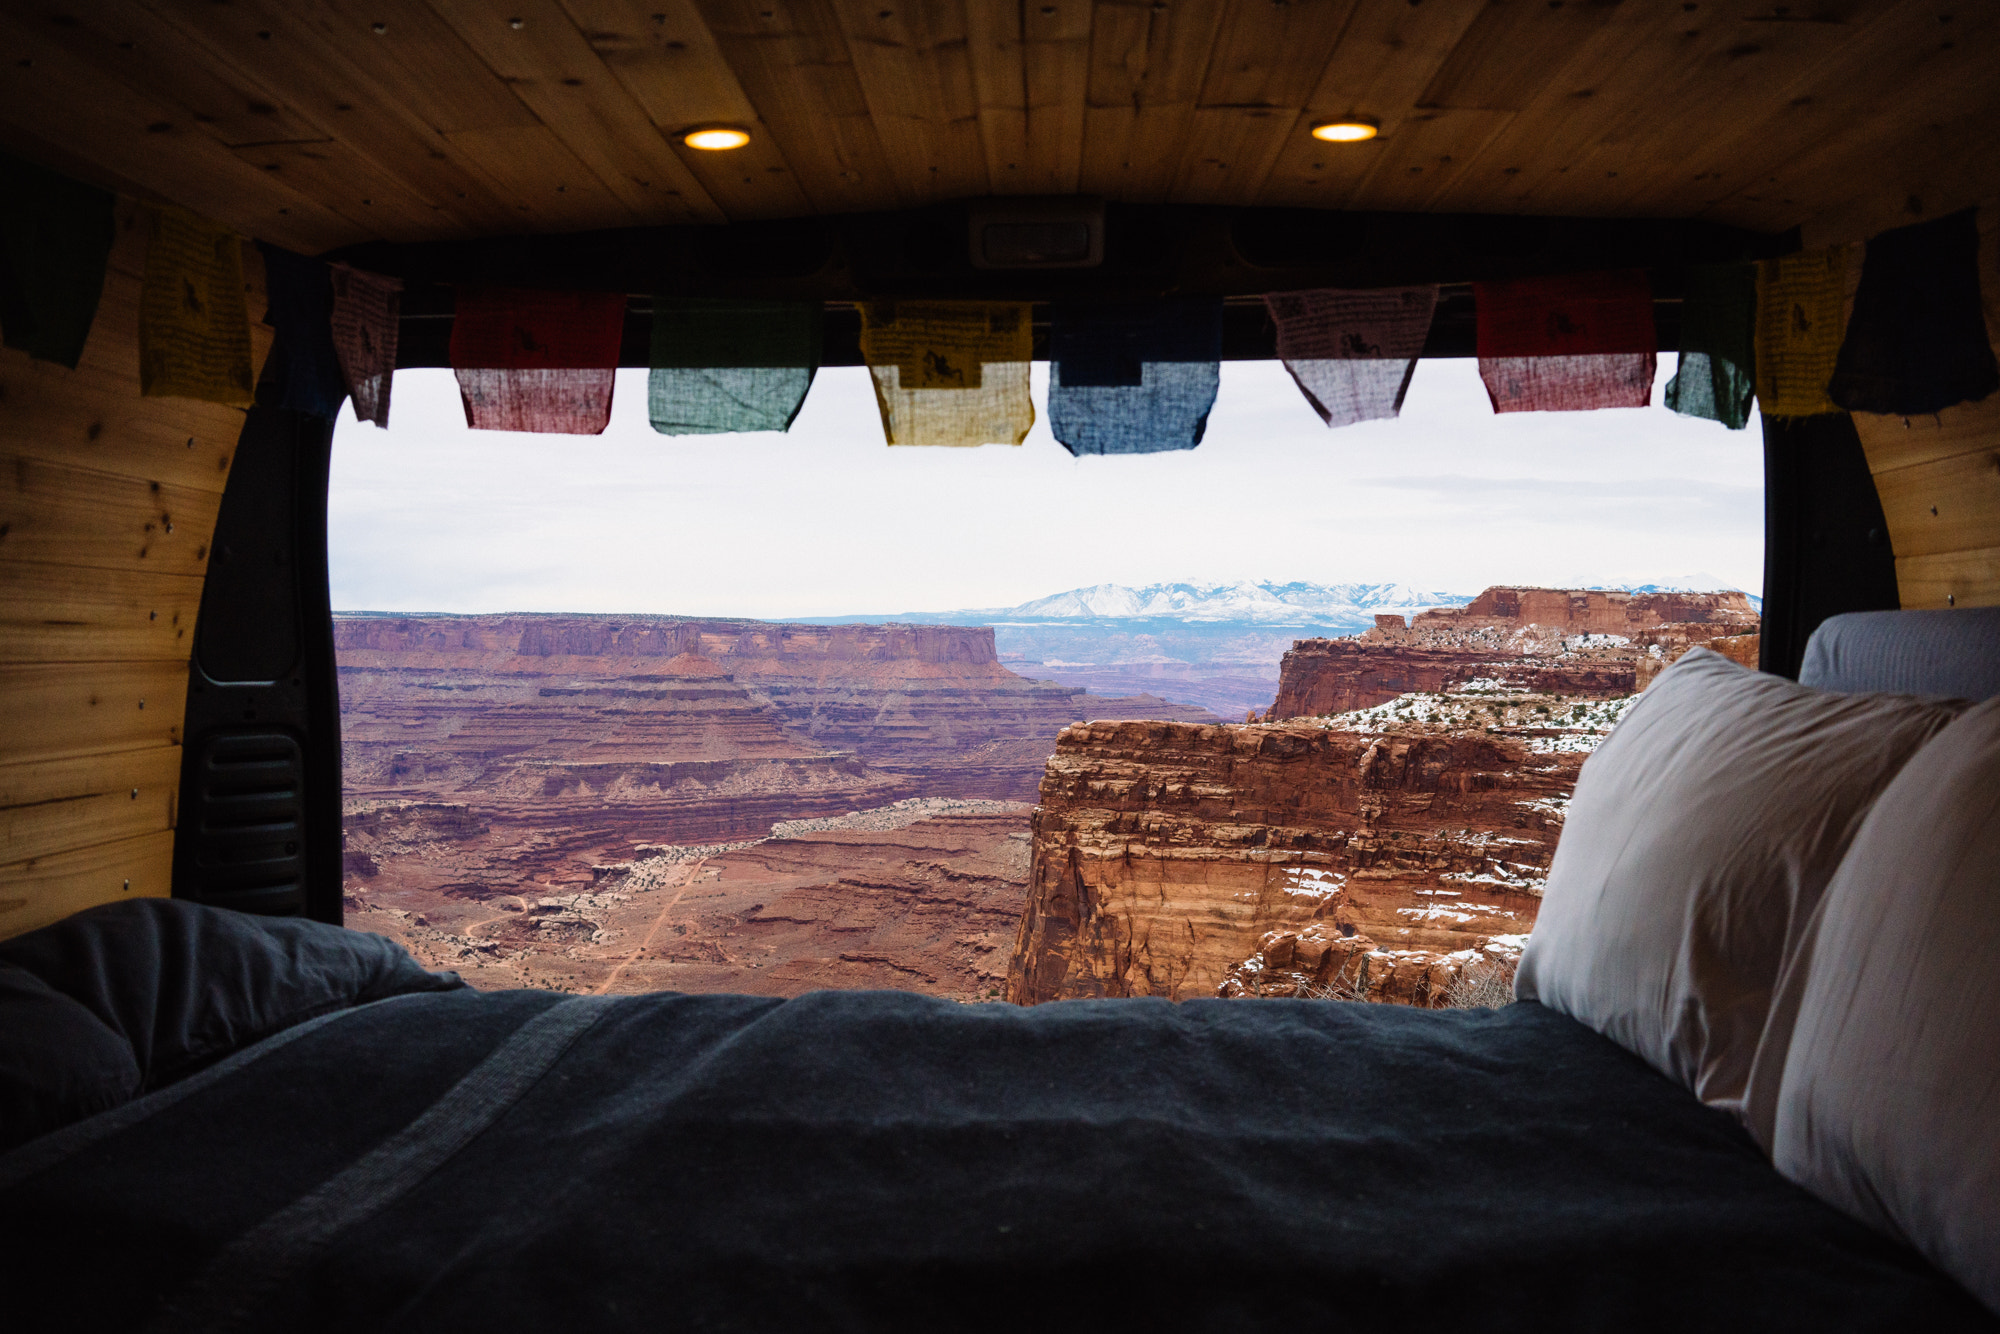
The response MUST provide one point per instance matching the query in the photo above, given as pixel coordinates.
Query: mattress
(847, 1160)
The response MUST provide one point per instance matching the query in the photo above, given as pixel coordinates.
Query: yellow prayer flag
(1801, 316)
(194, 332)
(950, 372)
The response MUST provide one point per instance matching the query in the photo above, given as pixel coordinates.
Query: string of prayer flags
(1716, 376)
(1352, 353)
(537, 361)
(301, 310)
(366, 311)
(194, 331)
(1567, 344)
(1917, 340)
(1133, 377)
(731, 365)
(55, 237)
(1801, 302)
(950, 372)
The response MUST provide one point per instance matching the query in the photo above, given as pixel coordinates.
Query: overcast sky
(827, 520)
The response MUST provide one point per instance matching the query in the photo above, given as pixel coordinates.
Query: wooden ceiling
(317, 123)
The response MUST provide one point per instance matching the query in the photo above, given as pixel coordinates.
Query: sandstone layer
(576, 738)
(923, 896)
(1166, 854)
(1553, 641)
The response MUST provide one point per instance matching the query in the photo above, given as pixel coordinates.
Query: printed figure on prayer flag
(300, 294)
(1716, 377)
(1352, 353)
(950, 372)
(366, 309)
(1917, 342)
(1133, 377)
(194, 330)
(1567, 344)
(731, 365)
(1801, 303)
(537, 361)
(55, 239)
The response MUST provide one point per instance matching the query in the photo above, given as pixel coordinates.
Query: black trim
(259, 812)
(1826, 543)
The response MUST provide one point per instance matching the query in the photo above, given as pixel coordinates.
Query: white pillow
(1889, 1104)
(1699, 839)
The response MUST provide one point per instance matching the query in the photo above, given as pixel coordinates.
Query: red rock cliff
(1164, 855)
(1548, 640)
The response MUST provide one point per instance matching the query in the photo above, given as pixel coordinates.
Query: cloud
(827, 520)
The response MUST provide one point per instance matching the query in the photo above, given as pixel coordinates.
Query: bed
(313, 1134)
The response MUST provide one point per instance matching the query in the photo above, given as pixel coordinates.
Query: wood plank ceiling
(316, 123)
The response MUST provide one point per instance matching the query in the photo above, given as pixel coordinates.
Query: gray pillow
(173, 986)
(1889, 1101)
(1699, 839)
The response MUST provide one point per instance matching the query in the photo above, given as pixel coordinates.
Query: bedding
(524, 1160)
(1697, 843)
(129, 996)
(1889, 1097)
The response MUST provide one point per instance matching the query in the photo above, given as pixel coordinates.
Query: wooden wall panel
(107, 507)
(1939, 478)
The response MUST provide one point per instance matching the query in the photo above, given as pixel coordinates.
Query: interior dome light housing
(715, 138)
(1348, 130)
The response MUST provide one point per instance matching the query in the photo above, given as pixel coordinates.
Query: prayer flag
(1917, 341)
(950, 372)
(1133, 377)
(366, 311)
(1567, 344)
(194, 332)
(731, 365)
(55, 236)
(1800, 310)
(301, 310)
(1716, 375)
(537, 361)
(1352, 353)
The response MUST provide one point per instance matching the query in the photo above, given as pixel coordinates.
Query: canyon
(593, 803)
(1382, 833)
(1560, 641)
(515, 759)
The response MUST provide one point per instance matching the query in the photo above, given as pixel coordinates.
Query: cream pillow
(1699, 839)
(1889, 1105)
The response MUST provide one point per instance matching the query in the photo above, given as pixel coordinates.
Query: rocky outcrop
(1550, 641)
(576, 739)
(1166, 856)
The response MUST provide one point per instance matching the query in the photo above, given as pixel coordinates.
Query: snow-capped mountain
(1253, 603)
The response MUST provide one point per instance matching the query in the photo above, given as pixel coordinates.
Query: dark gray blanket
(868, 1160)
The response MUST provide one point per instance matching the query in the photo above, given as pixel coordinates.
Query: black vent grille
(249, 829)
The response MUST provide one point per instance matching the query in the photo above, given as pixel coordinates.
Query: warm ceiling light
(1350, 131)
(715, 138)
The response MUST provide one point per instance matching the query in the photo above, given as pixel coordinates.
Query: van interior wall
(106, 516)
(1939, 476)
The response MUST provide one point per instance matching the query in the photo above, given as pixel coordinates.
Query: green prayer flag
(1716, 377)
(55, 236)
(730, 365)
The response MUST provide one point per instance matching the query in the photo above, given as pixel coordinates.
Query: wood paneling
(1939, 477)
(38, 890)
(61, 613)
(107, 506)
(53, 806)
(333, 120)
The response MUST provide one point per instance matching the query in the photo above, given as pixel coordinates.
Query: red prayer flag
(1568, 343)
(537, 361)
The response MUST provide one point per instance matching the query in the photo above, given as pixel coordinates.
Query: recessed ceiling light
(715, 138)
(1352, 130)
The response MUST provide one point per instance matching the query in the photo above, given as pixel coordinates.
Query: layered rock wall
(1164, 854)
(1544, 640)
